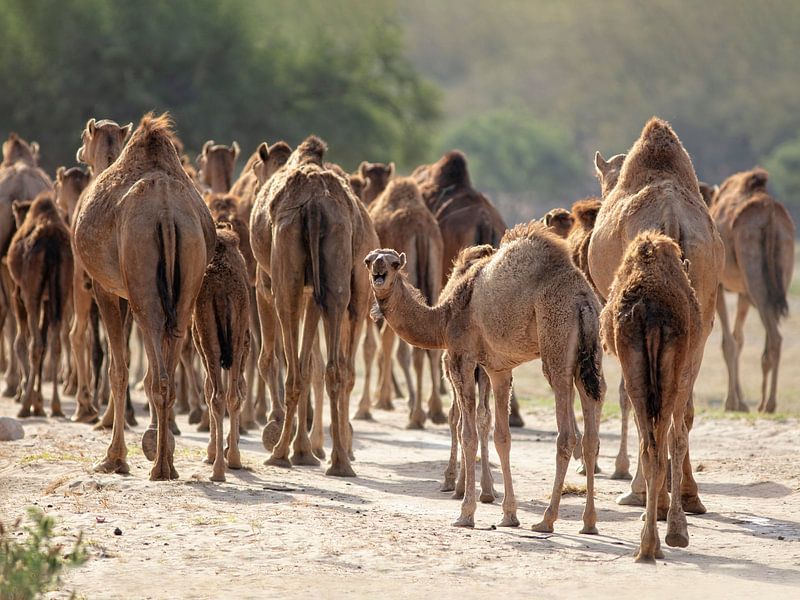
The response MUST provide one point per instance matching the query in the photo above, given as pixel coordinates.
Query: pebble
(10, 430)
(117, 531)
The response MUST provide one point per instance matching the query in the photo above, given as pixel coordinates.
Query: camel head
(270, 160)
(708, 191)
(16, 149)
(21, 208)
(102, 143)
(357, 184)
(68, 187)
(608, 171)
(559, 221)
(383, 266)
(216, 164)
(376, 177)
(585, 212)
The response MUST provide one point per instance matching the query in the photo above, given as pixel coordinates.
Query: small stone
(117, 531)
(781, 538)
(10, 430)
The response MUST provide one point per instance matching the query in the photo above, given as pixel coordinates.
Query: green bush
(34, 565)
(783, 165)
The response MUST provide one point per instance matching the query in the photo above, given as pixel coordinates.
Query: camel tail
(312, 223)
(224, 334)
(590, 355)
(773, 267)
(168, 274)
(425, 269)
(653, 342)
(51, 279)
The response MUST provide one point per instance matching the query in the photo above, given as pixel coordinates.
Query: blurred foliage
(784, 174)
(226, 69)
(34, 564)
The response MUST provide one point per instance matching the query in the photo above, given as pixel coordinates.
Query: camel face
(608, 171)
(376, 177)
(270, 159)
(68, 187)
(383, 266)
(559, 221)
(21, 209)
(102, 143)
(216, 164)
(16, 149)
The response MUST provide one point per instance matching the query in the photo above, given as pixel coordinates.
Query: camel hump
(756, 180)
(312, 149)
(451, 170)
(153, 127)
(657, 149)
(403, 191)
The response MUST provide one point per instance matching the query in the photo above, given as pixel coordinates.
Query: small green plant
(34, 565)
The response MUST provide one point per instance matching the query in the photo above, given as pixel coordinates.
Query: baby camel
(651, 321)
(221, 331)
(524, 302)
(40, 262)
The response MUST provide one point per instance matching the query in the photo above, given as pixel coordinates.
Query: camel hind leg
(488, 495)
(770, 360)
(462, 373)
(368, 350)
(435, 409)
(416, 417)
(318, 388)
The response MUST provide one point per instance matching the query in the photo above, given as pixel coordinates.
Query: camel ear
(362, 169)
(686, 265)
(402, 262)
(235, 147)
(60, 174)
(79, 156)
(90, 126)
(548, 218)
(207, 146)
(600, 164)
(391, 169)
(35, 150)
(263, 151)
(125, 132)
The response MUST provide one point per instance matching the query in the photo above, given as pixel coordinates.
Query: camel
(40, 262)
(216, 164)
(20, 179)
(758, 234)
(608, 171)
(657, 189)
(308, 230)
(465, 216)
(560, 221)
(101, 143)
(585, 213)
(375, 178)
(221, 331)
(707, 191)
(651, 322)
(142, 217)
(402, 221)
(548, 312)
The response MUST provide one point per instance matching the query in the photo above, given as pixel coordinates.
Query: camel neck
(418, 324)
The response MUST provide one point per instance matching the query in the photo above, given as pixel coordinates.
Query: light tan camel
(144, 234)
(652, 323)
(402, 221)
(40, 262)
(465, 216)
(20, 179)
(758, 234)
(308, 230)
(657, 190)
(560, 221)
(375, 178)
(548, 312)
(221, 331)
(101, 143)
(216, 164)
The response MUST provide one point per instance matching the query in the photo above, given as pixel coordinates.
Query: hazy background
(528, 89)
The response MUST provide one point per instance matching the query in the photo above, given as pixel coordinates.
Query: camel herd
(143, 258)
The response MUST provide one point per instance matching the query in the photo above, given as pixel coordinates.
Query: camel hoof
(218, 478)
(162, 475)
(195, 415)
(340, 470)
(542, 527)
(39, 412)
(363, 415)
(271, 434)
(644, 559)
(24, 413)
(173, 427)
(306, 459)
(631, 499)
(209, 460)
(466, 522)
(150, 443)
(233, 464)
(590, 530)
(385, 405)
(415, 425)
(438, 417)
(509, 520)
(57, 414)
(205, 428)
(130, 418)
(515, 420)
(9, 391)
(457, 495)
(319, 453)
(488, 497)
(626, 475)
(85, 416)
(276, 461)
(677, 540)
(112, 466)
(581, 470)
(692, 505)
(447, 486)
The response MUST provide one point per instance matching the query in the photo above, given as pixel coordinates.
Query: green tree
(783, 166)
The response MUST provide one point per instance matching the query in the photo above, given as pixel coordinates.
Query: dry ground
(269, 532)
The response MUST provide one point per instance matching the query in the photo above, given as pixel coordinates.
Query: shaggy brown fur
(560, 221)
(658, 190)
(403, 222)
(548, 312)
(652, 322)
(216, 164)
(585, 213)
(758, 234)
(40, 262)
(310, 231)
(376, 177)
(142, 217)
(221, 332)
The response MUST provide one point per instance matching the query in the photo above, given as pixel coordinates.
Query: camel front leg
(690, 499)
(368, 350)
(770, 360)
(435, 409)
(488, 494)
(677, 530)
(12, 379)
(267, 360)
(318, 389)
(385, 374)
(55, 350)
(622, 464)
(416, 416)
(729, 352)
(463, 375)
(592, 409)
(302, 453)
(501, 387)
